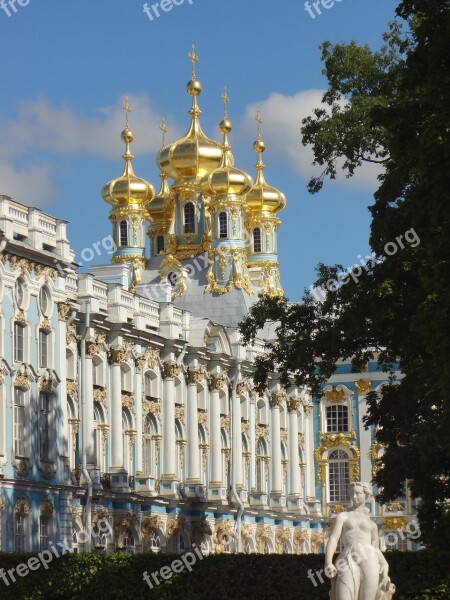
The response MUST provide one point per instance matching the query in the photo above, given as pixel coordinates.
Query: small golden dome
(157, 207)
(226, 179)
(128, 189)
(263, 197)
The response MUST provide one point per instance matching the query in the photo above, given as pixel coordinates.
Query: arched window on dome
(123, 230)
(257, 247)
(338, 475)
(223, 225)
(189, 217)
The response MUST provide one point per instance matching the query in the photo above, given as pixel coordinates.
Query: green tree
(393, 107)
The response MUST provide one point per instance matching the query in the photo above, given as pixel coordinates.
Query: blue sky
(66, 66)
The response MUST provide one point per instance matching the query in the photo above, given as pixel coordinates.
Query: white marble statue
(361, 571)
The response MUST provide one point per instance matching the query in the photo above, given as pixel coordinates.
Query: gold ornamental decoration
(337, 508)
(151, 406)
(170, 370)
(262, 431)
(393, 523)
(48, 383)
(175, 525)
(22, 506)
(100, 394)
(317, 539)
(375, 449)
(128, 401)
(394, 507)
(217, 383)
(363, 386)
(63, 311)
(276, 399)
(282, 536)
(334, 440)
(47, 509)
(334, 395)
(72, 388)
(300, 537)
(22, 379)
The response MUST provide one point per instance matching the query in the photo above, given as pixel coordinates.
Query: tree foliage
(392, 106)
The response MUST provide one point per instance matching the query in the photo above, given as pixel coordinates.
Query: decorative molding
(363, 386)
(44, 271)
(195, 376)
(175, 525)
(21, 467)
(47, 509)
(225, 422)
(394, 507)
(393, 523)
(179, 413)
(150, 525)
(95, 346)
(119, 354)
(262, 431)
(128, 401)
(282, 536)
(300, 536)
(337, 508)
(72, 388)
(63, 311)
(23, 505)
(22, 378)
(48, 383)
(276, 399)
(375, 457)
(151, 406)
(100, 394)
(170, 370)
(317, 539)
(335, 396)
(293, 405)
(217, 383)
(245, 427)
(2, 502)
(334, 440)
(150, 359)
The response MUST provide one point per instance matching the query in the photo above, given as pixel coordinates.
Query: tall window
(159, 244)
(337, 418)
(123, 229)
(127, 447)
(19, 336)
(44, 301)
(189, 218)
(19, 533)
(257, 240)
(73, 424)
(223, 225)
(261, 466)
(203, 453)
(149, 446)
(99, 421)
(43, 349)
(44, 426)
(339, 475)
(19, 422)
(128, 542)
(43, 532)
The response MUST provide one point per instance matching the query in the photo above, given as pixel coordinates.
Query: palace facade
(126, 394)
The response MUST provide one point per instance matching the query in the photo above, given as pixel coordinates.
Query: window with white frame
(338, 475)
(44, 347)
(44, 426)
(127, 429)
(151, 385)
(44, 526)
(45, 301)
(73, 424)
(19, 342)
(20, 293)
(189, 218)
(19, 422)
(129, 544)
(19, 533)
(180, 443)
(337, 418)
(149, 445)
(261, 454)
(203, 445)
(99, 422)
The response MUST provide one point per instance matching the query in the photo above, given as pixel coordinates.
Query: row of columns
(217, 386)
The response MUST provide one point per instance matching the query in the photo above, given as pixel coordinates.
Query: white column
(237, 438)
(309, 453)
(216, 384)
(294, 469)
(169, 446)
(193, 474)
(252, 433)
(89, 431)
(275, 401)
(61, 368)
(116, 412)
(139, 462)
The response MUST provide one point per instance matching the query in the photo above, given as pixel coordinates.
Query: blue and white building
(127, 396)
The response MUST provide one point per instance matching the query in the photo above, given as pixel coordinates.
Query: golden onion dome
(128, 189)
(263, 197)
(226, 180)
(194, 155)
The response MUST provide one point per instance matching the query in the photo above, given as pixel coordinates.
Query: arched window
(127, 429)
(129, 544)
(149, 445)
(261, 455)
(44, 426)
(19, 422)
(203, 454)
(159, 244)
(123, 230)
(225, 458)
(338, 475)
(100, 431)
(189, 218)
(284, 463)
(73, 424)
(337, 418)
(223, 225)
(245, 462)
(257, 247)
(151, 385)
(180, 443)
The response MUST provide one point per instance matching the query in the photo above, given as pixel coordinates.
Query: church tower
(263, 202)
(128, 195)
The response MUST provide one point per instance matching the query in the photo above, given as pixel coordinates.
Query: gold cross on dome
(126, 107)
(163, 129)
(225, 99)
(259, 121)
(194, 59)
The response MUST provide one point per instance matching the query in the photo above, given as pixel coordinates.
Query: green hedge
(417, 576)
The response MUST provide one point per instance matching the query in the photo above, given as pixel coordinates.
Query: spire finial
(163, 129)
(258, 119)
(225, 99)
(194, 59)
(126, 107)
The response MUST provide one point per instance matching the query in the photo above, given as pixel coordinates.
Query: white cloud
(282, 117)
(31, 185)
(42, 128)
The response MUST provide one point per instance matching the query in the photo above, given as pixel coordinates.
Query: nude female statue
(361, 571)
